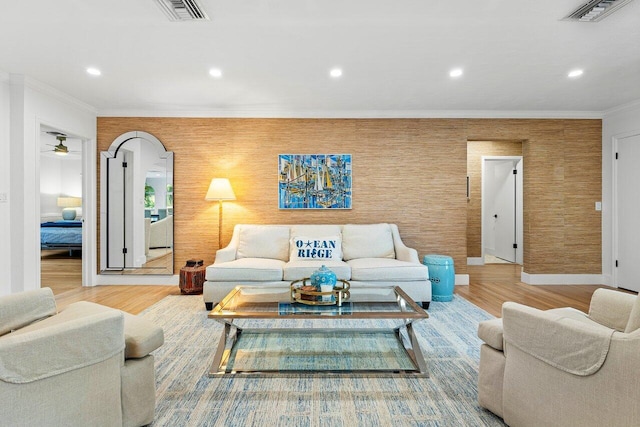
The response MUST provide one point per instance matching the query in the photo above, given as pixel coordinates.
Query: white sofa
(276, 255)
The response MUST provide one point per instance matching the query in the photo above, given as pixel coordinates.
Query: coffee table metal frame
(403, 309)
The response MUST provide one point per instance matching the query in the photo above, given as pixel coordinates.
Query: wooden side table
(192, 277)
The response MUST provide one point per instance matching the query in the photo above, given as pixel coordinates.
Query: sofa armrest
(141, 337)
(225, 254)
(611, 308)
(579, 347)
(403, 253)
(18, 310)
(491, 332)
(47, 350)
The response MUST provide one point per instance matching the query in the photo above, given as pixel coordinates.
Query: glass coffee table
(370, 334)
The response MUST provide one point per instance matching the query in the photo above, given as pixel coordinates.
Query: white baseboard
(562, 279)
(135, 279)
(475, 261)
(462, 279)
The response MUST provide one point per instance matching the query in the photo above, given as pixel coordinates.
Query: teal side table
(442, 276)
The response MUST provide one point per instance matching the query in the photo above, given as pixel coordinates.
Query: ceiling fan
(60, 149)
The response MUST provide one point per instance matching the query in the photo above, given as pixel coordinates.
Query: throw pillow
(316, 248)
(367, 241)
(263, 241)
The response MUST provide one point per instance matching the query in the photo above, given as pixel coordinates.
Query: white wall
(617, 121)
(59, 176)
(50, 170)
(32, 105)
(5, 161)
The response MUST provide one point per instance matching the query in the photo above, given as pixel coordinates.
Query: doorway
(61, 214)
(502, 217)
(626, 204)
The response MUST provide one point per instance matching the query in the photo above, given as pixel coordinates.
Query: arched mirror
(136, 211)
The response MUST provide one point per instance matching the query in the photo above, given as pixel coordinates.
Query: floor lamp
(220, 190)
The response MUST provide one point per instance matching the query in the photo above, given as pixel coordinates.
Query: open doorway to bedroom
(60, 210)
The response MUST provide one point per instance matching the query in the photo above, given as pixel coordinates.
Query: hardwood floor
(63, 274)
(491, 285)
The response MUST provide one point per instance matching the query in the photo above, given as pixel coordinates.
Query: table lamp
(69, 204)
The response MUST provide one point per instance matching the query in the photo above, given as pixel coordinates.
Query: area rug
(186, 396)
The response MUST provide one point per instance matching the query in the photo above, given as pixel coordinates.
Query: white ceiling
(276, 55)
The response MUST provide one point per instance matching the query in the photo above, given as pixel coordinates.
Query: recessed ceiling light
(215, 72)
(575, 73)
(456, 72)
(93, 71)
(336, 72)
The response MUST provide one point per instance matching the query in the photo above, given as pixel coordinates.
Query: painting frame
(315, 181)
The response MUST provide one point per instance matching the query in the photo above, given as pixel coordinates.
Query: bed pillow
(367, 241)
(316, 248)
(263, 241)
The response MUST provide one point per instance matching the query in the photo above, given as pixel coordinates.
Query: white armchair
(562, 367)
(86, 365)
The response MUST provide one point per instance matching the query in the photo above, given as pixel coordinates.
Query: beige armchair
(562, 367)
(85, 365)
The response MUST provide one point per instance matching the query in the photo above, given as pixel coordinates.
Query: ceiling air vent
(595, 10)
(182, 10)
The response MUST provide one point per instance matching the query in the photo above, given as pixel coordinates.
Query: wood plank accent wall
(411, 172)
(475, 151)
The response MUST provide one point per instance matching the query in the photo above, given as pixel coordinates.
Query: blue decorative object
(323, 277)
(442, 276)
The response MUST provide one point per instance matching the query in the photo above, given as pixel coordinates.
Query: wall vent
(182, 10)
(595, 10)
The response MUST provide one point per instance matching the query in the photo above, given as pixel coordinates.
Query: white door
(628, 213)
(505, 210)
(502, 207)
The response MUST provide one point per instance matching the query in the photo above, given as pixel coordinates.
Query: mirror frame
(112, 153)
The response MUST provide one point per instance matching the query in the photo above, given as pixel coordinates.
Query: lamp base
(68, 214)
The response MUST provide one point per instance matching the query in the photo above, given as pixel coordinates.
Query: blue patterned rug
(186, 396)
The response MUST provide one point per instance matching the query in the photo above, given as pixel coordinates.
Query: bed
(61, 235)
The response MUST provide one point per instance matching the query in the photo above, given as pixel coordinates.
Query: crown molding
(377, 114)
(622, 108)
(52, 92)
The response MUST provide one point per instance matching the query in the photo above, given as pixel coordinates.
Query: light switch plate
(4, 198)
(598, 206)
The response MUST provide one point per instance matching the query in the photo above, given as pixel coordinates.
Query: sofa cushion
(316, 230)
(246, 269)
(263, 241)
(305, 248)
(367, 241)
(385, 269)
(300, 269)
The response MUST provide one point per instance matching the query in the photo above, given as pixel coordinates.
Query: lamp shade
(69, 202)
(220, 189)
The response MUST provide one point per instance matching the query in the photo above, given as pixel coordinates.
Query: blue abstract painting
(314, 181)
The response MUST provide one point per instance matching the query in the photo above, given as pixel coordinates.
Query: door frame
(615, 199)
(88, 197)
(519, 212)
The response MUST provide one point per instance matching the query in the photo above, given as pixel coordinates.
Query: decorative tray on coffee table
(304, 292)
